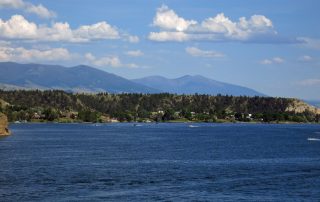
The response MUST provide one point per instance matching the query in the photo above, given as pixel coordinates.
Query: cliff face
(4, 125)
(298, 106)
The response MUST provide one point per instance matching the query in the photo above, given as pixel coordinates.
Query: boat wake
(193, 126)
(313, 139)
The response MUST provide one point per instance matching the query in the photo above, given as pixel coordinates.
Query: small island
(4, 131)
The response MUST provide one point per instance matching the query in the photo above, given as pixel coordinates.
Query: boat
(193, 126)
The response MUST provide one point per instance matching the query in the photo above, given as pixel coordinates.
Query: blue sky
(271, 46)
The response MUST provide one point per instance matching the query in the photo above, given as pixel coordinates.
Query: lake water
(155, 162)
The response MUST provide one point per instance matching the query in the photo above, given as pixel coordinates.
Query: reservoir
(160, 162)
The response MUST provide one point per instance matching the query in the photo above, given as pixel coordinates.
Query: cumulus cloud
(135, 53)
(100, 30)
(112, 61)
(17, 27)
(196, 52)
(275, 60)
(28, 7)
(21, 54)
(309, 82)
(305, 58)
(132, 39)
(168, 19)
(169, 36)
(107, 61)
(57, 55)
(218, 28)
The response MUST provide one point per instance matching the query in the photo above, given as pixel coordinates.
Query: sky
(272, 46)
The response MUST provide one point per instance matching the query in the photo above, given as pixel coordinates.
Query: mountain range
(78, 79)
(195, 84)
(88, 79)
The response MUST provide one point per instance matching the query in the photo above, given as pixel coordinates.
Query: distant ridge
(84, 78)
(195, 84)
(77, 79)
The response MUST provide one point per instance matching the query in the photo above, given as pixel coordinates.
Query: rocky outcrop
(297, 106)
(4, 125)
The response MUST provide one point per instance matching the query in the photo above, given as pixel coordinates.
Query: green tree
(50, 114)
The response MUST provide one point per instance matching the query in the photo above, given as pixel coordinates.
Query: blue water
(160, 162)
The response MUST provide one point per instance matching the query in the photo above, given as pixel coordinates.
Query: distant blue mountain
(77, 79)
(88, 79)
(195, 84)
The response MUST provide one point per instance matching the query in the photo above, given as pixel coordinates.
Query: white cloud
(131, 65)
(135, 53)
(175, 28)
(169, 36)
(20, 54)
(168, 19)
(112, 61)
(107, 61)
(133, 39)
(100, 30)
(11, 4)
(310, 42)
(278, 60)
(39, 9)
(309, 82)
(305, 58)
(196, 52)
(275, 60)
(89, 57)
(17, 27)
(57, 55)
(266, 62)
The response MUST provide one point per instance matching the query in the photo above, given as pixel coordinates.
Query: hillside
(195, 84)
(77, 79)
(59, 105)
(82, 78)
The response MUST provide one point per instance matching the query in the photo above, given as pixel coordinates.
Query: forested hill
(61, 106)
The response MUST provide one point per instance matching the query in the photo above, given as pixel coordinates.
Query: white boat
(193, 126)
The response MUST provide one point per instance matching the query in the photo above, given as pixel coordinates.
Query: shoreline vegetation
(154, 122)
(37, 106)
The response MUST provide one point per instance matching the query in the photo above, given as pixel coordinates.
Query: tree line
(56, 105)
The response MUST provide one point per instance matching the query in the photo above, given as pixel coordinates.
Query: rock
(4, 125)
(298, 106)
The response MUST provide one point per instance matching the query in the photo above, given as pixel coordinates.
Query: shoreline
(171, 122)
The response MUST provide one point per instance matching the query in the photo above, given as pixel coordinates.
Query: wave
(313, 139)
(193, 126)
